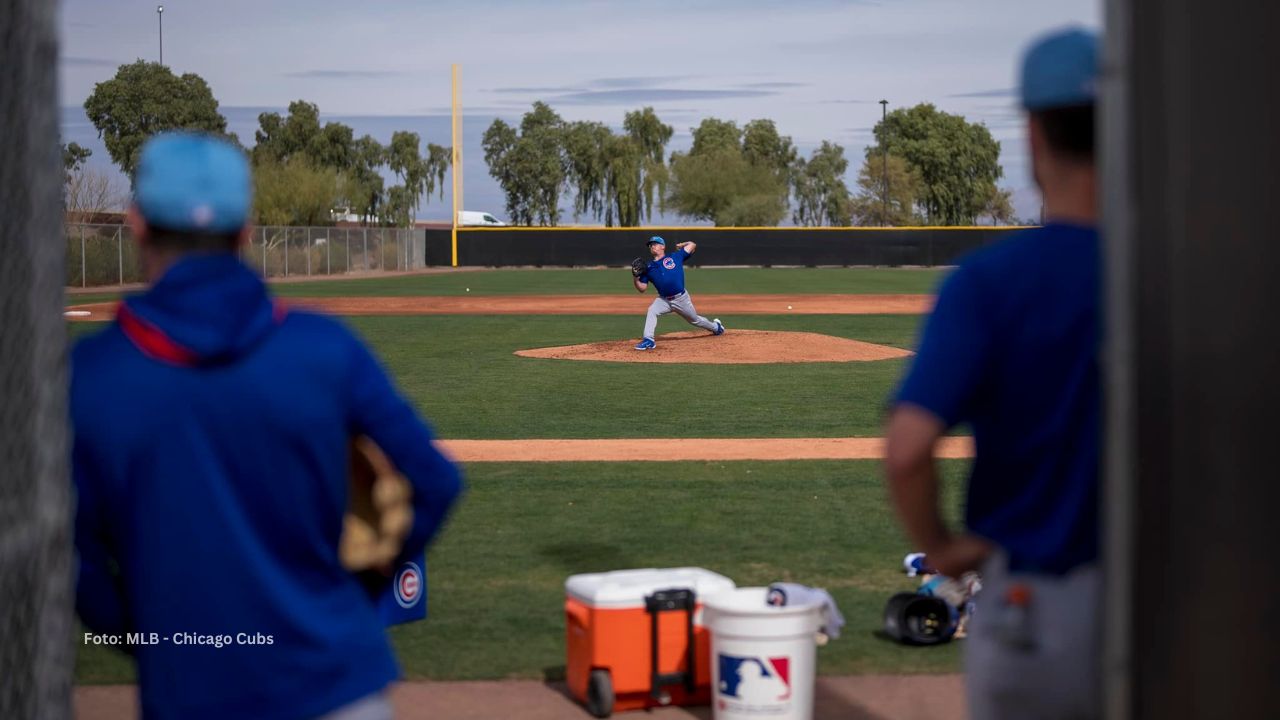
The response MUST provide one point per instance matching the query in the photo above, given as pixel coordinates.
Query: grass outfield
(460, 370)
(597, 282)
(496, 576)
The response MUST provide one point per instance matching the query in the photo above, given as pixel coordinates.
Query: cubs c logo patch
(408, 585)
(668, 263)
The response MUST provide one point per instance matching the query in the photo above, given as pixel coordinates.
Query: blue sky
(816, 67)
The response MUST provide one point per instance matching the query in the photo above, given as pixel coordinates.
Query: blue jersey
(667, 274)
(1012, 349)
(210, 462)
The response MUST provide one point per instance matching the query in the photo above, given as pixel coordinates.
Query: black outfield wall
(567, 247)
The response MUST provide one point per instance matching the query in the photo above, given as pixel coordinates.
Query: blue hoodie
(210, 460)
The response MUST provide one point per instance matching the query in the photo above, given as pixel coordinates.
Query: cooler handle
(670, 601)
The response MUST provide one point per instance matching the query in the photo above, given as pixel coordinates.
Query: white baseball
(468, 289)
(788, 307)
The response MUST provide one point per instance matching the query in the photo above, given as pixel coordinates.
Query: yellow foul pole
(456, 164)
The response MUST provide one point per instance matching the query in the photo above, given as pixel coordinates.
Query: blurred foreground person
(211, 455)
(1012, 349)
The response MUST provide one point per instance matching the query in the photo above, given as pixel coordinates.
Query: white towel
(796, 594)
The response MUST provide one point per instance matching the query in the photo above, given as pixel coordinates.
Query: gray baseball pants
(682, 305)
(1056, 673)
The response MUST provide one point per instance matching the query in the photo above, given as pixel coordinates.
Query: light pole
(884, 115)
(160, 18)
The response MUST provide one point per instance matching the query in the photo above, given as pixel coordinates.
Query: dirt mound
(748, 347)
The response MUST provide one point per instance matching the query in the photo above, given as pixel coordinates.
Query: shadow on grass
(585, 557)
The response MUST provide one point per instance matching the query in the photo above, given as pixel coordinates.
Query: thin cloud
(847, 102)
(469, 110)
(596, 85)
(344, 74)
(636, 82)
(525, 90)
(88, 62)
(648, 95)
(999, 93)
(774, 85)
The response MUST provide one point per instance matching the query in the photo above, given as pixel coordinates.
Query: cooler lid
(629, 588)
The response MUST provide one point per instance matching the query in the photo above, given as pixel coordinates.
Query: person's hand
(959, 554)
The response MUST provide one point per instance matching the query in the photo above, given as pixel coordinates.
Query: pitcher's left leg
(684, 306)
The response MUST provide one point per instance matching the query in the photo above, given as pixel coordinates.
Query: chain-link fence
(108, 254)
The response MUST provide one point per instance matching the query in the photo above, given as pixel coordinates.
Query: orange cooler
(634, 638)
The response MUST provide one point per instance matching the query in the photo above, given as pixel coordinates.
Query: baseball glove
(379, 511)
(638, 266)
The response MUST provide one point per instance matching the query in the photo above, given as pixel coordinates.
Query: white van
(471, 217)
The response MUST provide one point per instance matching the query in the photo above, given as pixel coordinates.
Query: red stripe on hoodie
(152, 341)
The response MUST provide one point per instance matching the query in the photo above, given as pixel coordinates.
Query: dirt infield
(751, 347)
(689, 449)
(863, 697)
(709, 305)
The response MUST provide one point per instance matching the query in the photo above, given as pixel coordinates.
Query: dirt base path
(690, 449)
(293, 279)
(709, 305)
(862, 697)
(747, 347)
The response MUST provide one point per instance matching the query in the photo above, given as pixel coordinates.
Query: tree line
(927, 167)
(303, 170)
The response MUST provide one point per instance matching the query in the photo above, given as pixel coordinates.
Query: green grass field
(615, 281)
(461, 370)
(496, 575)
(462, 373)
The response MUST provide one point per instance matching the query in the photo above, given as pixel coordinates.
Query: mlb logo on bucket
(754, 681)
(408, 585)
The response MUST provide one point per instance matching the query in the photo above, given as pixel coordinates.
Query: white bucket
(763, 658)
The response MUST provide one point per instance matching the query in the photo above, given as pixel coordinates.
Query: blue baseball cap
(655, 239)
(1060, 70)
(190, 182)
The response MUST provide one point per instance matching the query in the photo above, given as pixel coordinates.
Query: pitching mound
(751, 347)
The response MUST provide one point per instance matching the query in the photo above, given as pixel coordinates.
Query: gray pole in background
(37, 657)
(264, 251)
(1190, 495)
(884, 115)
(120, 251)
(160, 18)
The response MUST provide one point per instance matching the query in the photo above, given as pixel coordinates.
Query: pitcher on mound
(666, 272)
